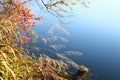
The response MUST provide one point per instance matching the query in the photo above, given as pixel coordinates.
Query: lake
(95, 32)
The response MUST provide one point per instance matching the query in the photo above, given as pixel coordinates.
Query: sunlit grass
(14, 67)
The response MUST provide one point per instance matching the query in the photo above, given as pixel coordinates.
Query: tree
(59, 8)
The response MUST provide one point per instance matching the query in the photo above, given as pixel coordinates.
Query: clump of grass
(17, 66)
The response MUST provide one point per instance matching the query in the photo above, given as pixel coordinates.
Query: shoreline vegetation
(15, 64)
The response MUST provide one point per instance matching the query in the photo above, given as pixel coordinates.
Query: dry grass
(16, 66)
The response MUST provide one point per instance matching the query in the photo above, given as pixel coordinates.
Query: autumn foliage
(18, 15)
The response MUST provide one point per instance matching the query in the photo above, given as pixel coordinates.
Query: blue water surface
(94, 31)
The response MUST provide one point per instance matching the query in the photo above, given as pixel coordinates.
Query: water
(100, 50)
(96, 33)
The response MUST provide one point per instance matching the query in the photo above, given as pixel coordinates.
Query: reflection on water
(54, 46)
(100, 49)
